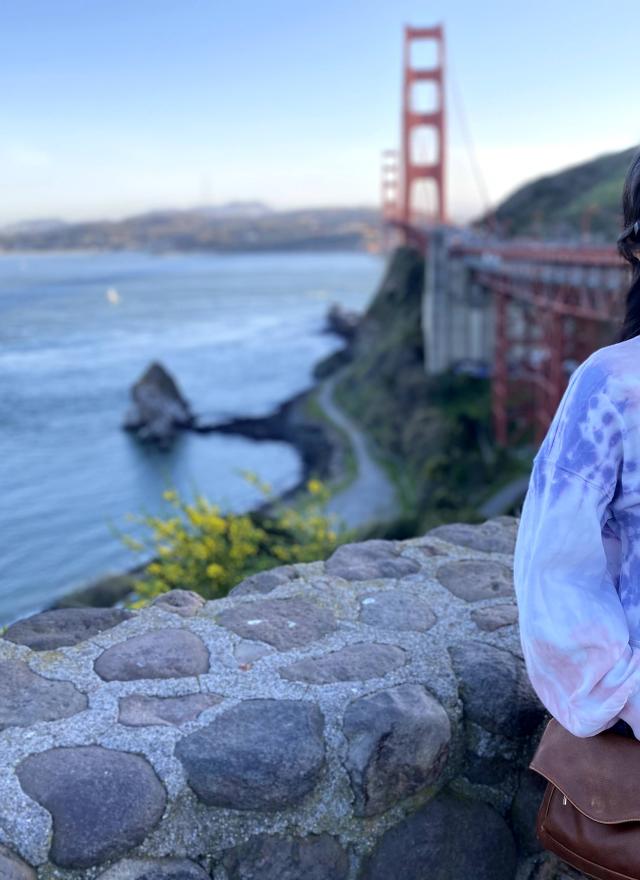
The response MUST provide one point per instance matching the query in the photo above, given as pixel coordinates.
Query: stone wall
(364, 718)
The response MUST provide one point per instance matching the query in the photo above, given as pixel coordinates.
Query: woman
(577, 554)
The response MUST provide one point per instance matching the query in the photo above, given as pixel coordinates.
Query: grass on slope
(558, 205)
(433, 434)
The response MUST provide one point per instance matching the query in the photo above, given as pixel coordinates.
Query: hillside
(585, 197)
(236, 228)
(433, 432)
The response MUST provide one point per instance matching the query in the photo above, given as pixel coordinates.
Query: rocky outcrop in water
(344, 322)
(159, 408)
(367, 717)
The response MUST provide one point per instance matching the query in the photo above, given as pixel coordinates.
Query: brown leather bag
(590, 812)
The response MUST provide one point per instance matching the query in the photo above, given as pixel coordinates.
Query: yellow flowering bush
(198, 548)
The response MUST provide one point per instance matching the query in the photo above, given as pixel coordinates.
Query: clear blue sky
(114, 106)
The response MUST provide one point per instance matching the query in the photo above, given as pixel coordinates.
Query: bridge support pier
(457, 314)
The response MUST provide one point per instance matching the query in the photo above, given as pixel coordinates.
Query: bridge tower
(389, 196)
(414, 118)
(389, 184)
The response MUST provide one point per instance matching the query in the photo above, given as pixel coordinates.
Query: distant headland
(234, 227)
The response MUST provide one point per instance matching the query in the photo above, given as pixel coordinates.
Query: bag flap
(599, 774)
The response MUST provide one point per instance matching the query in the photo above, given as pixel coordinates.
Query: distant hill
(236, 209)
(248, 226)
(585, 197)
(45, 224)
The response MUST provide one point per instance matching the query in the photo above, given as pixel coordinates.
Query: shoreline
(321, 449)
(316, 441)
(248, 403)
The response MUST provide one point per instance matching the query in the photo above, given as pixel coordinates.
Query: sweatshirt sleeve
(573, 628)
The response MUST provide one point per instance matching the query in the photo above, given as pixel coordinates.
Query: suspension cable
(476, 169)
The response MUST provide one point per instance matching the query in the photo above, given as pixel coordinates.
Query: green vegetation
(433, 434)
(585, 197)
(470, 466)
(348, 468)
(198, 548)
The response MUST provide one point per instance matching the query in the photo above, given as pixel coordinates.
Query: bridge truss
(551, 310)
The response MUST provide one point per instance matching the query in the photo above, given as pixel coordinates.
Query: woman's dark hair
(629, 248)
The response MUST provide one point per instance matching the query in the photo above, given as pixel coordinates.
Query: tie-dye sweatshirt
(577, 553)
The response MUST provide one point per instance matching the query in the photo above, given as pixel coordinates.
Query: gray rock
(450, 838)
(489, 536)
(106, 591)
(275, 857)
(473, 579)
(13, 868)
(63, 626)
(103, 802)
(161, 653)
(177, 871)
(495, 689)
(291, 765)
(138, 710)
(26, 697)
(353, 663)
(486, 769)
(155, 869)
(398, 743)
(264, 581)
(551, 867)
(283, 623)
(524, 811)
(174, 873)
(365, 560)
(428, 550)
(396, 609)
(494, 617)
(344, 322)
(258, 755)
(186, 603)
(159, 407)
(247, 652)
(506, 520)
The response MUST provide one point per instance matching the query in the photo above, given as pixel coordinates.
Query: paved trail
(371, 496)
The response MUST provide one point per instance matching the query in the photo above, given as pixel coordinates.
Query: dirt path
(371, 496)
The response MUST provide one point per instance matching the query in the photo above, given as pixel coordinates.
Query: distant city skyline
(113, 109)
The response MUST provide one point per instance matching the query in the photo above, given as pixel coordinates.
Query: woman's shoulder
(597, 410)
(610, 375)
(610, 367)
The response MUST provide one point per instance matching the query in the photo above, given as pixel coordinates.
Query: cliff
(334, 720)
(433, 432)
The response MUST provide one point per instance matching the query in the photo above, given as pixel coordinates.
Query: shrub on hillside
(199, 548)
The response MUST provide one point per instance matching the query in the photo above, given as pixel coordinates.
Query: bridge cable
(476, 170)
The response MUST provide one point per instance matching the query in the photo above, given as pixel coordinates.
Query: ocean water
(240, 334)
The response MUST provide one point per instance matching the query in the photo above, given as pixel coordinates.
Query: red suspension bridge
(530, 311)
